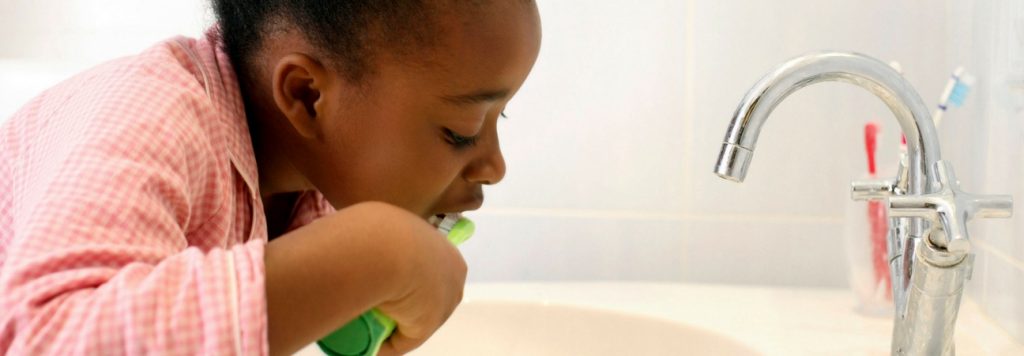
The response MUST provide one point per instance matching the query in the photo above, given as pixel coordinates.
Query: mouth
(473, 203)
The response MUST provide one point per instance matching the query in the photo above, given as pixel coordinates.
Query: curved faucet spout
(866, 72)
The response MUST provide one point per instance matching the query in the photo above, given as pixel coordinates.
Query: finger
(399, 344)
(386, 350)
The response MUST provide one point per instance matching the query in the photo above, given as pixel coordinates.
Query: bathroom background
(611, 142)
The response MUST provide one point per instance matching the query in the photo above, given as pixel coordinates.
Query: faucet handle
(875, 189)
(990, 206)
(950, 209)
(880, 189)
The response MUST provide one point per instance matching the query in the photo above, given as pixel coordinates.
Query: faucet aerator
(733, 161)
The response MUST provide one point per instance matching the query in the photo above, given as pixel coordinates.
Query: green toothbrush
(365, 335)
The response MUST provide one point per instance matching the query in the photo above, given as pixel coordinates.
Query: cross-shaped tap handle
(950, 209)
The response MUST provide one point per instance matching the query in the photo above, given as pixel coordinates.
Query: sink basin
(499, 328)
(624, 318)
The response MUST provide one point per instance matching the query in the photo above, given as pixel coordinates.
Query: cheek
(395, 157)
(432, 171)
(434, 165)
(403, 165)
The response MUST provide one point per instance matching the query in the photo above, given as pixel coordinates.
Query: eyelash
(460, 141)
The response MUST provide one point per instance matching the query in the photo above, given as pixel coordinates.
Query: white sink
(498, 328)
(617, 318)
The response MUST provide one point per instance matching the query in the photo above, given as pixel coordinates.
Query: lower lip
(474, 203)
(469, 205)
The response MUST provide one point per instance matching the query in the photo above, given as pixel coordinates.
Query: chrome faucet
(929, 248)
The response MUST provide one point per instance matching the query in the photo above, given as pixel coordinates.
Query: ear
(299, 83)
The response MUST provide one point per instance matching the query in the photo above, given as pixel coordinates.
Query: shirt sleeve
(104, 204)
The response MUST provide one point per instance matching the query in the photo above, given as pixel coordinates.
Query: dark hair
(348, 32)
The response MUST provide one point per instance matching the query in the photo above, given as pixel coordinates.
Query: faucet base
(926, 324)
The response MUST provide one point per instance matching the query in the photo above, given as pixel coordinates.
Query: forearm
(192, 302)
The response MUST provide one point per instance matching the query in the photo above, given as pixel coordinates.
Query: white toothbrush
(955, 94)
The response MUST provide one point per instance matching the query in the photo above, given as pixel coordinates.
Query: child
(182, 201)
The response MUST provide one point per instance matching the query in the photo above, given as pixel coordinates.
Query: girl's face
(423, 136)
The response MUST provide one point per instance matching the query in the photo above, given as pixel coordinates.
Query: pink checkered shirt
(130, 217)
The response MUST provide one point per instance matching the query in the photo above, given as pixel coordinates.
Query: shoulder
(147, 111)
(150, 102)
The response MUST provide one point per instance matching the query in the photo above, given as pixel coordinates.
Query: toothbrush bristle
(959, 94)
(448, 222)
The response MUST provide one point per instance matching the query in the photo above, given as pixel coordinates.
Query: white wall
(94, 30)
(988, 38)
(45, 41)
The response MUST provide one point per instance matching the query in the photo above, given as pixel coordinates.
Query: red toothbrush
(879, 223)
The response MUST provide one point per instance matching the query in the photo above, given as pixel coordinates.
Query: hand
(435, 274)
(367, 255)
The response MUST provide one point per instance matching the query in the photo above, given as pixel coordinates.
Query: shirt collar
(221, 83)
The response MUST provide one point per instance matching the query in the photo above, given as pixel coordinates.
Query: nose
(489, 167)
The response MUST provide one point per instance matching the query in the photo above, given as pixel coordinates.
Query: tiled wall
(611, 142)
(988, 38)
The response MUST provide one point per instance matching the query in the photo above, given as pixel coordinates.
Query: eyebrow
(477, 97)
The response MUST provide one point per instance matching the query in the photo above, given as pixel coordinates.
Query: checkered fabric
(130, 217)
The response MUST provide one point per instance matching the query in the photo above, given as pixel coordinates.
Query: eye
(459, 141)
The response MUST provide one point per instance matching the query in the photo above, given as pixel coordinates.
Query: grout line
(645, 215)
(689, 68)
(689, 115)
(999, 254)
